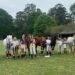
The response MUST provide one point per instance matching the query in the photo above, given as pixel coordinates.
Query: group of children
(61, 43)
(22, 44)
(18, 48)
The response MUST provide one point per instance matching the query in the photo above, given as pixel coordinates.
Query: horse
(40, 41)
(71, 42)
(7, 44)
(11, 45)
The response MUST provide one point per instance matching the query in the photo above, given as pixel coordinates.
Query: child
(32, 47)
(65, 45)
(23, 46)
(48, 46)
(59, 42)
(15, 46)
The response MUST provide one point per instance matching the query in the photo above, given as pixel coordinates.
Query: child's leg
(16, 51)
(47, 49)
(50, 50)
(24, 50)
(59, 49)
(31, 51)
(34, 50)
(65, 50)
(13, 52)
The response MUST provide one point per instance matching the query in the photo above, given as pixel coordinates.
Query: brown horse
(40, 41)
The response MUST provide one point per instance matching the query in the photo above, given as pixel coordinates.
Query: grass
(56, 65)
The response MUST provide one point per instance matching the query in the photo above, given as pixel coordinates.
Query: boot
(47, 52)
(35, 55)
(50, 53)
(31, 56)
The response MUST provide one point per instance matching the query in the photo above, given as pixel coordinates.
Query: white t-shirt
(64, 44)
(59, 42)
(48, 42)
(15, 43)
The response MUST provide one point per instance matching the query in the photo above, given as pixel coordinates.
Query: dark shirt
(22, 41)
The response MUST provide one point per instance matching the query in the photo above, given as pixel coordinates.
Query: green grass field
(56, 65)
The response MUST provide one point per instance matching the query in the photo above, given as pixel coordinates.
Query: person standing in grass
(32, 47)
(65, 45)
(23, 46)
(15, 47)
(48, 46)
(59, 42)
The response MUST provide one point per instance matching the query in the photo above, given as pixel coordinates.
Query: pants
(15, 51)
(23, 47)
(48, 48)
(32, 49)
(59, 49)
(8, 50)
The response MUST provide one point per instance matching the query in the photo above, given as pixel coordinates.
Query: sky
(13, 6)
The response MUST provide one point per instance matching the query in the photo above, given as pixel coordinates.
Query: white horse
(7, 40)
(7, 44)
(71, 42)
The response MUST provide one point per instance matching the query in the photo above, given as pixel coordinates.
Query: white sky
(13, 6)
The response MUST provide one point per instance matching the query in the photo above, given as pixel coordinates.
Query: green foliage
(63, 28)
(6, 23)
(59, 13)
(25, 19)
(72, 9)
(42, 25)
(33, 21)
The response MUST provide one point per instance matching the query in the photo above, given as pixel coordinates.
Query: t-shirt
(48, 42)
(22, 41)
(59, 42)
(15, 43)
(64, 44)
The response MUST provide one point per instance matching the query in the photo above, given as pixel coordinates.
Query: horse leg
(36, 48)
(70, 46)
(74, 48)
(42, 49)
(52, 48)
(28, 50)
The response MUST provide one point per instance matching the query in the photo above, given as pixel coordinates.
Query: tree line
(33, 21)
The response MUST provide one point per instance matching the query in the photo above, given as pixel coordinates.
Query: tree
(29, 8)
(31, 20)
(43, 24)
(72, 9)
(6, 23)
(20, 22)
(25, 19)
(58, 13)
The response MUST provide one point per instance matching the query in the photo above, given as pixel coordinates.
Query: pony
(41, 41)
(11, 45)
(7, 45)
(71, 42)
